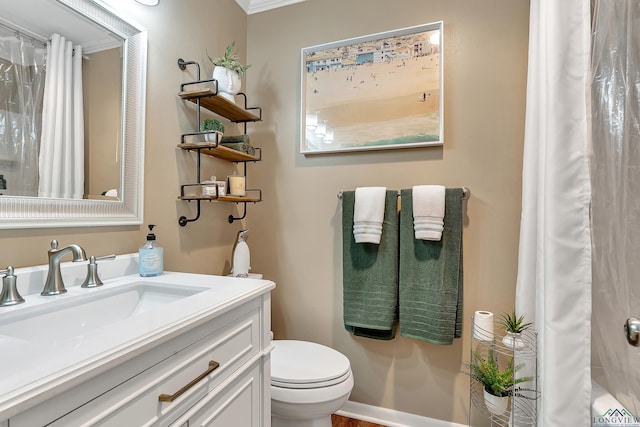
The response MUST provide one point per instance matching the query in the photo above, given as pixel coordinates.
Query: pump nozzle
(151, 236)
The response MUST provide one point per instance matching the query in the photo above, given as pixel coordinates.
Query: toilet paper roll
(483, 325)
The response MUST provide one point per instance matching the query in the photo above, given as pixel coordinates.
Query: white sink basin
(65, 322)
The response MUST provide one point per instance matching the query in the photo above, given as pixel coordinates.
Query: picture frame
(375, 92)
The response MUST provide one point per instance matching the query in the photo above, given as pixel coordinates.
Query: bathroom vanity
(177, 349)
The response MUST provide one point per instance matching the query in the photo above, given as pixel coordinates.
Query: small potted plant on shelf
(513, 327)
(213, 126)
(228, 72)
(498, 385)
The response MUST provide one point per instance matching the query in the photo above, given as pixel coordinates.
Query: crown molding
(255, 6)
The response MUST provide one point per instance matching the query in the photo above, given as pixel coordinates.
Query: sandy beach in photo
(364, 104)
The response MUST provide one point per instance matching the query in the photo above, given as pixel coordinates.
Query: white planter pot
(229, 82)
(513, 341)
(212, 137)
(495, 404)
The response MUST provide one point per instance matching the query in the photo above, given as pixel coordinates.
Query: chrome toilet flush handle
(10, 295)
(632, 331)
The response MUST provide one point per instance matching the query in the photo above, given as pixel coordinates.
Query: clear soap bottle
(151, 256)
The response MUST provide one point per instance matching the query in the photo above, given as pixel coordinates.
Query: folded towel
(370, 274)
(240, 146)
(368, 214)
(428, 211)
(431, 276)
(231, 139)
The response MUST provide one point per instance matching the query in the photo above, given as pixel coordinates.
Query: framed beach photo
(374, 92)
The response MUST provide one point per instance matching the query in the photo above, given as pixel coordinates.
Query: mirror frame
(34, 212)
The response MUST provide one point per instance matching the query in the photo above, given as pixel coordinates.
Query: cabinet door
(236, 404)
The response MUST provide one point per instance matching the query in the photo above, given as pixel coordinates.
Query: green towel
(234, 139)
(240, 146)
(370, 274)
(431, 275)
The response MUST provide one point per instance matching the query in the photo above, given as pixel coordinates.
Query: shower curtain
(554, 265)
(22, 78)
(62, 145)
(616, 194)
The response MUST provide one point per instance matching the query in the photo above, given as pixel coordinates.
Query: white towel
(368, 214)
(428, 211)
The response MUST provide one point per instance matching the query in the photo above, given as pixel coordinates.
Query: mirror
(129, 41)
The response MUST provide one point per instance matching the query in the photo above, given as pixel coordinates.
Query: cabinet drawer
(236, 403)
(136, 401)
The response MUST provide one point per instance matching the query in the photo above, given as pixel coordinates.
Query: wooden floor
(339, 421)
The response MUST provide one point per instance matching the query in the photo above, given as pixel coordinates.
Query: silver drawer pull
(213, 365)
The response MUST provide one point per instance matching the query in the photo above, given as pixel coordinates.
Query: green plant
(229, 60)
(513, 324)
(209, 125)
(495, 381)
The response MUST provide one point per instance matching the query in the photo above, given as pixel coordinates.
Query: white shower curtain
(62, 145)
(554, 266)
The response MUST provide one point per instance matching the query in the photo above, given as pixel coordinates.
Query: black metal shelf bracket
(244, 214)
(183, 220)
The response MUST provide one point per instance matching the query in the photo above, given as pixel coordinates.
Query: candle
(236, 185)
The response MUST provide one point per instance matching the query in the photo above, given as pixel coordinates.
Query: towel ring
(466, 193)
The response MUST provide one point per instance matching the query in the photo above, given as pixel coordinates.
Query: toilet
(309, 382)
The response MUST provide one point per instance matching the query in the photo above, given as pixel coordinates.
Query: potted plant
(213, 126)
(497, 384)
(513, 328)
(228, 72)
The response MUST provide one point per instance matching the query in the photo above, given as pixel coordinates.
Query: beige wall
(295, 233)
(186, 29)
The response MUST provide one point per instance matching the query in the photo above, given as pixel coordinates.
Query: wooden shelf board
(219, 105)
(233, 199)
(219, 151)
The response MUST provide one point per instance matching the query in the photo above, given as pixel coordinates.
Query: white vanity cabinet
(215, 374)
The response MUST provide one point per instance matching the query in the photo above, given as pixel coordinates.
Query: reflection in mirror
(60, 147)
(102, 83)
(46, 151)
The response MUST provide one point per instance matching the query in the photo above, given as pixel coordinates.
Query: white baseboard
(389, 417)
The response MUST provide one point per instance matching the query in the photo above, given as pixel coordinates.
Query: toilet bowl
(309, 382)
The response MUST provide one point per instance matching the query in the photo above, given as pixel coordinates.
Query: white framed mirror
(126, 208)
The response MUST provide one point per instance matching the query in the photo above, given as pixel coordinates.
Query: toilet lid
(302, 364)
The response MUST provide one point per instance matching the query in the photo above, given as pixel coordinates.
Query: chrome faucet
(54, 284)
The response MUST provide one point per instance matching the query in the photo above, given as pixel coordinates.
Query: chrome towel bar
(466, 193)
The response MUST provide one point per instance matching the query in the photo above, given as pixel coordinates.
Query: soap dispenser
(150, 256)
(240, 259)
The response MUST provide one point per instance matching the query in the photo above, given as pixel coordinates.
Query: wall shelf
(222, 152)
(232, 199)
(210, 99)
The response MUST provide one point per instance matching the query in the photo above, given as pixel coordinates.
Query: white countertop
(33, 371)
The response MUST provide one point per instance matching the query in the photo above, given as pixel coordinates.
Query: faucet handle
(9, 295)
(92, 280)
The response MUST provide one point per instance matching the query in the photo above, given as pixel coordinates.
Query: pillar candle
(236, 185)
